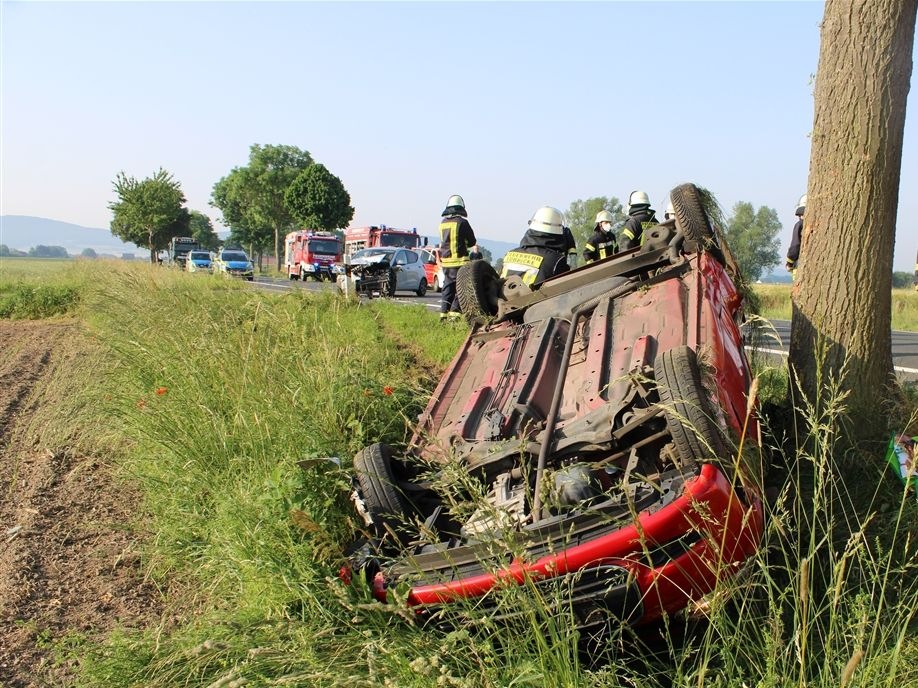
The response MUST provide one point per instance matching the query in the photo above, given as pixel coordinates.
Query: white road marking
(779, 352)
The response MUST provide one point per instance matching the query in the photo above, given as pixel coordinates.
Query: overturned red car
(594, 434)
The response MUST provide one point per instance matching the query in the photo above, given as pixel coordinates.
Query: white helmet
(670, 211)
(801, 206)
(548, 220)
(455, 206)
(638, 198)
(604, 216)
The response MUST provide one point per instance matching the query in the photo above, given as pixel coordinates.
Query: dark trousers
(449, 301)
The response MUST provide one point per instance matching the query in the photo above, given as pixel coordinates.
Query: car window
(410, 257)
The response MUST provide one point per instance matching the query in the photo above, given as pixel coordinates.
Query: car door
(402, 271)
(415, 269)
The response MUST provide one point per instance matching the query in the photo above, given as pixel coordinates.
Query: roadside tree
(89, 253)
(201, 228)
(752, 236)
(581, 217)
(146, 211)
(842, 294)
(42, 251)
(251, 198)
(318, 200)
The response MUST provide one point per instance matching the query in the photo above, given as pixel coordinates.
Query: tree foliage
(581, 216)
(753, 238)
(89, 253)
(42, 251)
(318, 200)
(202, 229)
(147, 211)
(252, 198)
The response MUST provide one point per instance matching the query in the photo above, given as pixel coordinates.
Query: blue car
(198, 261)
(236, 263)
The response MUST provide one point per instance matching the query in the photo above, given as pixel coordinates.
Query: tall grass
(223, 404)
(40, 288)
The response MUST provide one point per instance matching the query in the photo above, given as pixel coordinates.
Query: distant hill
(23, 232)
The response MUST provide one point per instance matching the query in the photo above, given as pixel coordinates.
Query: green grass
(775, 304)
(220, 403)
(32, 288)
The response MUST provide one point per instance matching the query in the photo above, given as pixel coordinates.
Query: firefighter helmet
(801, 206)
(455, 206)
(638, 199)
(547, 220)
(604, 216)
(670, 212)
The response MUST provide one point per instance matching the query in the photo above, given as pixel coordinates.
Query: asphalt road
(774, 342)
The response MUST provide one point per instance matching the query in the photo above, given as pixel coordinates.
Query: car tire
(478, 290)
(437, 287)
(422, 287)
(392, 284)
(687, 408)
(376, 482)
(691, 218)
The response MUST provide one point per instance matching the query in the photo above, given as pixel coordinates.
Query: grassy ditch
(223, 404)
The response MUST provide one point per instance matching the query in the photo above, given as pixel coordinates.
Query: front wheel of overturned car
(478, 290)
(691, 218)
(422, 287)
(381, 499)
(687, 408)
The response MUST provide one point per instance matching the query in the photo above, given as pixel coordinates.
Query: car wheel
(376, 482)
(393, 283)
(478, 289)
(422, 287)
(437, 287)
(687, 407)
(691, 218)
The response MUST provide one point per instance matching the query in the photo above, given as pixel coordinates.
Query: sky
(513, 105)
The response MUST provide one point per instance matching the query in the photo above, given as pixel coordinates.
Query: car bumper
(675, 555)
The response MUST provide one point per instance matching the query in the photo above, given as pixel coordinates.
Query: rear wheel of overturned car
(478, 290)
(422, 287)
(687, 407)
(377, 487)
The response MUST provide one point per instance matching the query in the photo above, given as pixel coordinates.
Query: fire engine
(309, 253)
(356, 238)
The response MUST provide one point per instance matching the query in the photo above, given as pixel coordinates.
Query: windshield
(234, 256)
(400, 240)
(373, 253)
(199, 255)
(328, 246)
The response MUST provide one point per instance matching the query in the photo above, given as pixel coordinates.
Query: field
(171, 517)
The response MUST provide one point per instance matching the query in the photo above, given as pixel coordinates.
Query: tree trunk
(150, 245)
(842, 296)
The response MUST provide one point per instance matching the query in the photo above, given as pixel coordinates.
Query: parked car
(383, 271)
(430, 257)
(234, 262)
(198, 261)
(600, 418)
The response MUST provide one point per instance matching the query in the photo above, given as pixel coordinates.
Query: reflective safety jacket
(456, 238)
(633, 233)
(601, 245)
(539, 256)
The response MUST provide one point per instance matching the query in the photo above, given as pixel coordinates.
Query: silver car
(401, 269)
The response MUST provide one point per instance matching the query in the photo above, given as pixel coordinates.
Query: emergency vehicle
(310, 253)
(356, 238)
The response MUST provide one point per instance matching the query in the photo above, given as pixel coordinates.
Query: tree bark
(842, 296)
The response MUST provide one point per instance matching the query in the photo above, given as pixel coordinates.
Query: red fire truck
(356, 238)
(309, 253)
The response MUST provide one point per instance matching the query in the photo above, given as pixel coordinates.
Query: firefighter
(457, 242)
(544, 249)
(793, 253)
(602, 243)
(640, 217)
(670, 213)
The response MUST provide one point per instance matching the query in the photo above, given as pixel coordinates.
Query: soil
(69, 551)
